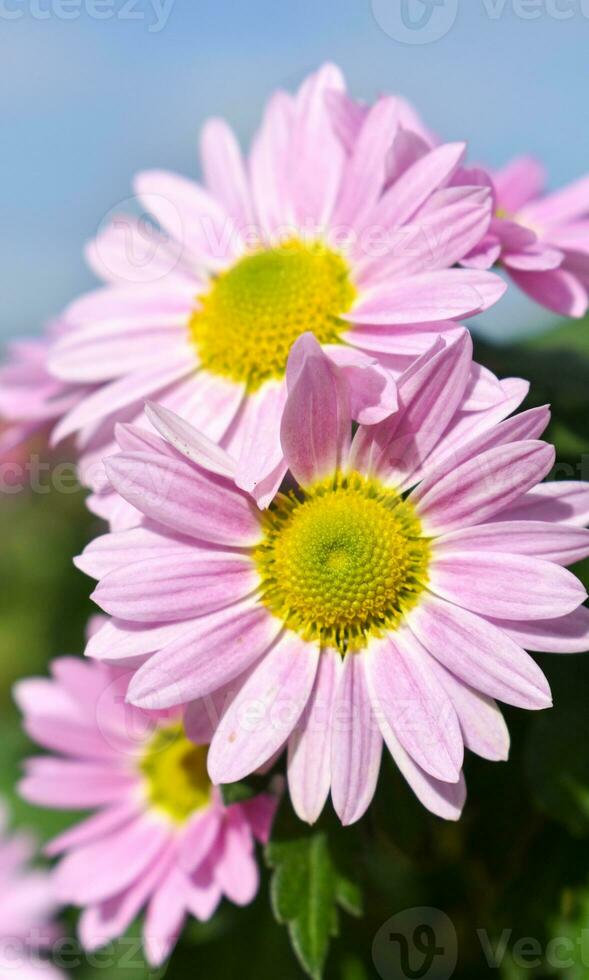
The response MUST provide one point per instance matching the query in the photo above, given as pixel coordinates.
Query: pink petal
(198, 838)
(558, 543)
(446, 294)
(270, 162)
(482, 486)
(407, 148)
(478, 653)
(519, 182)
(563, 205)
(110, 552)
(225, 172)
(165, 917)
(176, 586)
(103, 868)
(567, 634)
(315, 425)
(108, 920)
(405, 689)
(236, 871)
(364, 175)
(131, 250)
(560, 502)
(415, 185)
(265, 710)
(483, 390)
(188, 441)
(508, 586)
(94, 828)
(557, 290)
(346, 116)
(471, 434)
(446, 800)
(445, 230)
(65, 785)
(428, 398)
(356, 744)
(481, 721)
(181, 497)
(187, 211)
(317, 157)
(122, 642)
(259, 437)
(120, 346)
(309, 746)
(372, 389)
(208, 402)
(121, 393)
(536, 258)
(259, 811)
(404, 340)
(211, 653)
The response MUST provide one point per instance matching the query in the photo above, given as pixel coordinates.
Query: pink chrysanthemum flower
(31, 399)
(162, 838)
(388, 592)
(27, 909)
(541, 240)
(355, 244)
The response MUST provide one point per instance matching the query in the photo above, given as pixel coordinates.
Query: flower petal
(182, 497)
(507, 586)
(567, 634)
(478, 653)
(207, 656)
(356, 744)
(315, 427)
(445, 294)
(172, 587)
(404, 687)
(265, 710)
(309, 746)
(559, 543)
(481, 487)
(188, 441)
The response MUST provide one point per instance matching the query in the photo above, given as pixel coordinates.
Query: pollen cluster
(255, 311)
(343, 562)
(175, 772)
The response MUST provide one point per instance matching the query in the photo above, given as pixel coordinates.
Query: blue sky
(85, 103)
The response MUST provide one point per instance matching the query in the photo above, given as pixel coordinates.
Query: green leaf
(236, 792)
(307, 888)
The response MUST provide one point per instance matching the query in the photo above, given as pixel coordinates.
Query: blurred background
(92, 91)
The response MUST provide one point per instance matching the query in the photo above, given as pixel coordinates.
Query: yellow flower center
(175, 772)
(255, 311)
(343, 562)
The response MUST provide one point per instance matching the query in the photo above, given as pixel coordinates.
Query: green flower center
(255, 311)
(175, 772)
(343, 562)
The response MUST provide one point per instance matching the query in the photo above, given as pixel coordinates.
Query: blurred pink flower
(162, 838)
(389, 595)
(541, 240)
(342, 221)
(27, 909)
(31, 398)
